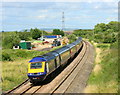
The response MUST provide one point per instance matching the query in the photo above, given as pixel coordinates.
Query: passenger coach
(41, 66)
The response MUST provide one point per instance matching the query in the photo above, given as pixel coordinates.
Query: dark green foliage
(103, 33)
(100, 28)
(114, 26)
(36, 33)
(72, 38)
(10, 39)
(84, 33)
(45, 33)
(58, 32)
(6, 57)
(11, 55)
(106, 33)
(24, 35)
(114, 45)
(109, 38)
(103, 46)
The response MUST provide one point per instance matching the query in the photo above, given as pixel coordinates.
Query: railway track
(78, 70)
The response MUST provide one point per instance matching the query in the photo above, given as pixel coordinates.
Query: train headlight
(41, 73)
(29, 73)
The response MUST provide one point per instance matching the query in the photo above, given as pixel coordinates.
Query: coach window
(55, 63)
(65, 55)
(80, 44)
(58, 60)
(74, 49)
(78, 47)
(51, 65)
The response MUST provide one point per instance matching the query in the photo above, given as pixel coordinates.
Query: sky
(19, 15)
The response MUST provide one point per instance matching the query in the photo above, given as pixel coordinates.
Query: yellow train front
(36, 69)
(42, 66)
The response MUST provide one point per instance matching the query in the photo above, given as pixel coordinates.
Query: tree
(72, 38)
(106, 33)
(100, 28)
(58, 32)
(36, 33)
(24, 35)
(113, 25)
(9, 41)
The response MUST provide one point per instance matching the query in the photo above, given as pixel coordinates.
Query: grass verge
(106, 80)
(14, 69)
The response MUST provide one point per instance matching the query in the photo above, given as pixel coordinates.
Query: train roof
(61, 50)
(45, 57)
(38, 59)
(50, 55)
(74, 43)
(70, 45)
(53, 54)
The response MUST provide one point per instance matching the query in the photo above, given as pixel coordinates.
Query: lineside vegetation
(104, 77)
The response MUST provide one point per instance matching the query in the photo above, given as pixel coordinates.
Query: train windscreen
(36, 65)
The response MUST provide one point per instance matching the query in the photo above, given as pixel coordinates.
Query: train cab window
(36, 65)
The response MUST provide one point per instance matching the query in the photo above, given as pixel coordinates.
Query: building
(50, 38)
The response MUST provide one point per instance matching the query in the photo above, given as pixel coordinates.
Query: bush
(71, 38)
(9, 40)
(58, 32)
(6, 57)
(36, 33)
(103, 46)
(12, 55)
(25, 35)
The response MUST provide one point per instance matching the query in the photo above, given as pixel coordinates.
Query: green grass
(103, 46)
(12, 55)
(106, 81)
(14, 71)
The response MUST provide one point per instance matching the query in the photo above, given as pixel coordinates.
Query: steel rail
(63, 75)
(65, 83)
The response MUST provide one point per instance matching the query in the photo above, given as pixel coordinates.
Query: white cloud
(96, 7)
(41, 16)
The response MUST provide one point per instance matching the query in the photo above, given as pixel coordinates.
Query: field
(13, 73)
(104, 77)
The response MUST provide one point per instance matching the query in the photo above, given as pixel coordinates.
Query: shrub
(6, 57)
(71, 38)
(9, 40)
(36, 33)
(58, 32)
(103, 46)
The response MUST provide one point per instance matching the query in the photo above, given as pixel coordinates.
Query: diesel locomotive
(42, 66)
